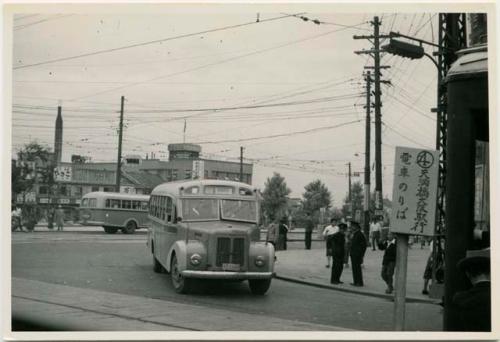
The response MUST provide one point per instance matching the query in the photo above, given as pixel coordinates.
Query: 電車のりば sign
(414, 191)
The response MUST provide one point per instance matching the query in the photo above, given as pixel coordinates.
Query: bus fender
(262, 249)
(180, 250)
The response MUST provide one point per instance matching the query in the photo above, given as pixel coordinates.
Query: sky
(289, 91)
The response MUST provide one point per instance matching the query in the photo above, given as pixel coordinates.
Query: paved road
(91, 259)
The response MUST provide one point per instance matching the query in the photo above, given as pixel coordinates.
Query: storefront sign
(414, 191)
(63, 173)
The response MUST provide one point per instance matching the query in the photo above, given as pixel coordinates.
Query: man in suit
(474, 304)
(308, 230)
(388, 261)
(358, 249)
(338, 245)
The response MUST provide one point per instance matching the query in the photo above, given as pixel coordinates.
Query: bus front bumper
(226, 275)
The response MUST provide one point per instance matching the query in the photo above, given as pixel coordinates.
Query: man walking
(388, 261)
(358, 249)
(338, 246)
(308, 230)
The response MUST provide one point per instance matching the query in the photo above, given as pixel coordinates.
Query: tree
(275, 196)
(315, 197)
(357, 197)
(34, 165)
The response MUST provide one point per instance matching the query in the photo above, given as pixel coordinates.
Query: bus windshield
(238, 210)
(200, 209)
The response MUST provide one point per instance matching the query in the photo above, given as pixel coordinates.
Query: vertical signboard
(198, 169)
(414, 191)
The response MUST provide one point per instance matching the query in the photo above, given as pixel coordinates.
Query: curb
(364, 293)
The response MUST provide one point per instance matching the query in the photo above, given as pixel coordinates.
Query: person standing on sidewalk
(272, 233)
(338, 247)
(388, 261)
(329, 230)
(308, 230)
(59, 216)
(358, 249)
(282, 233)
(375, 229)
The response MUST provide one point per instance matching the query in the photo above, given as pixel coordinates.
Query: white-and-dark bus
(114, 211)
(208, 229)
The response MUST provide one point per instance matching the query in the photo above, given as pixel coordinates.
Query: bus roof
(116, 195)
(174, 187)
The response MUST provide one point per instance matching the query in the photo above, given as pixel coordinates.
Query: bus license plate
(231, 267)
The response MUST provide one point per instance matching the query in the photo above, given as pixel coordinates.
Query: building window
(174, 174)
(187, 174)
(63, 190)
(109, 188)
(95, 188)
(43, 190)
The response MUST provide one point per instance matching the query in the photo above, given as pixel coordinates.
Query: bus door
(170, 229)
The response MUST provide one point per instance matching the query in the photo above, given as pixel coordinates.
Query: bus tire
(181, 284)
(110, 230)
(259, 286)
(129, 228)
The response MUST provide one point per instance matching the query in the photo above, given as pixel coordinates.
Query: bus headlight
(195, 259)
(260, 261)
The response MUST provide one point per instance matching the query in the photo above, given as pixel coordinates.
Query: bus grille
(230, 251)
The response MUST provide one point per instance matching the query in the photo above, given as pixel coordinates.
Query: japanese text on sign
(414, 191)
(63, 173)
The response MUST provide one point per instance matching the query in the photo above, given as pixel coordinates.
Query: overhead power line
(282, 134)
(146, 43)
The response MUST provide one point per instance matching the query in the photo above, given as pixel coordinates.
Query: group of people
(53, 215)
(343, 241)
(277, 233)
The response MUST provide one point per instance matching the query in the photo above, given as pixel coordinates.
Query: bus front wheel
(110, 230)
(259, 286)
(129, 228)
(181, 284)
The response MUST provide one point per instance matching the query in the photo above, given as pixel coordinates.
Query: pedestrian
(329, 230)
(309, 226)
(438, 266)
(59, 216)
(347, 247)
(282, 233)
(474, 304)
(388, 261)
(272, 234)
(375, 229)
(338, 250)
(357, 253)
(17, 218)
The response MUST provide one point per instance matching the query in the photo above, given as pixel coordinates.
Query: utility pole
(241, 163)
(119, 161)
(375, 53)
(350, 194)
(366, 222)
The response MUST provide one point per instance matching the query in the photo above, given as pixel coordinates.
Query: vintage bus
(114, 211)
(208, 229)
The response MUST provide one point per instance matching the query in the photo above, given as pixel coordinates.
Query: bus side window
(115, 204)
(144, 205)
(169, 209)
(151, 199)
(162, 207)
(108, 203)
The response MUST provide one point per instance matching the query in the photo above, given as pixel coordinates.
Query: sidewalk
(308, 267)
(56, 307)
